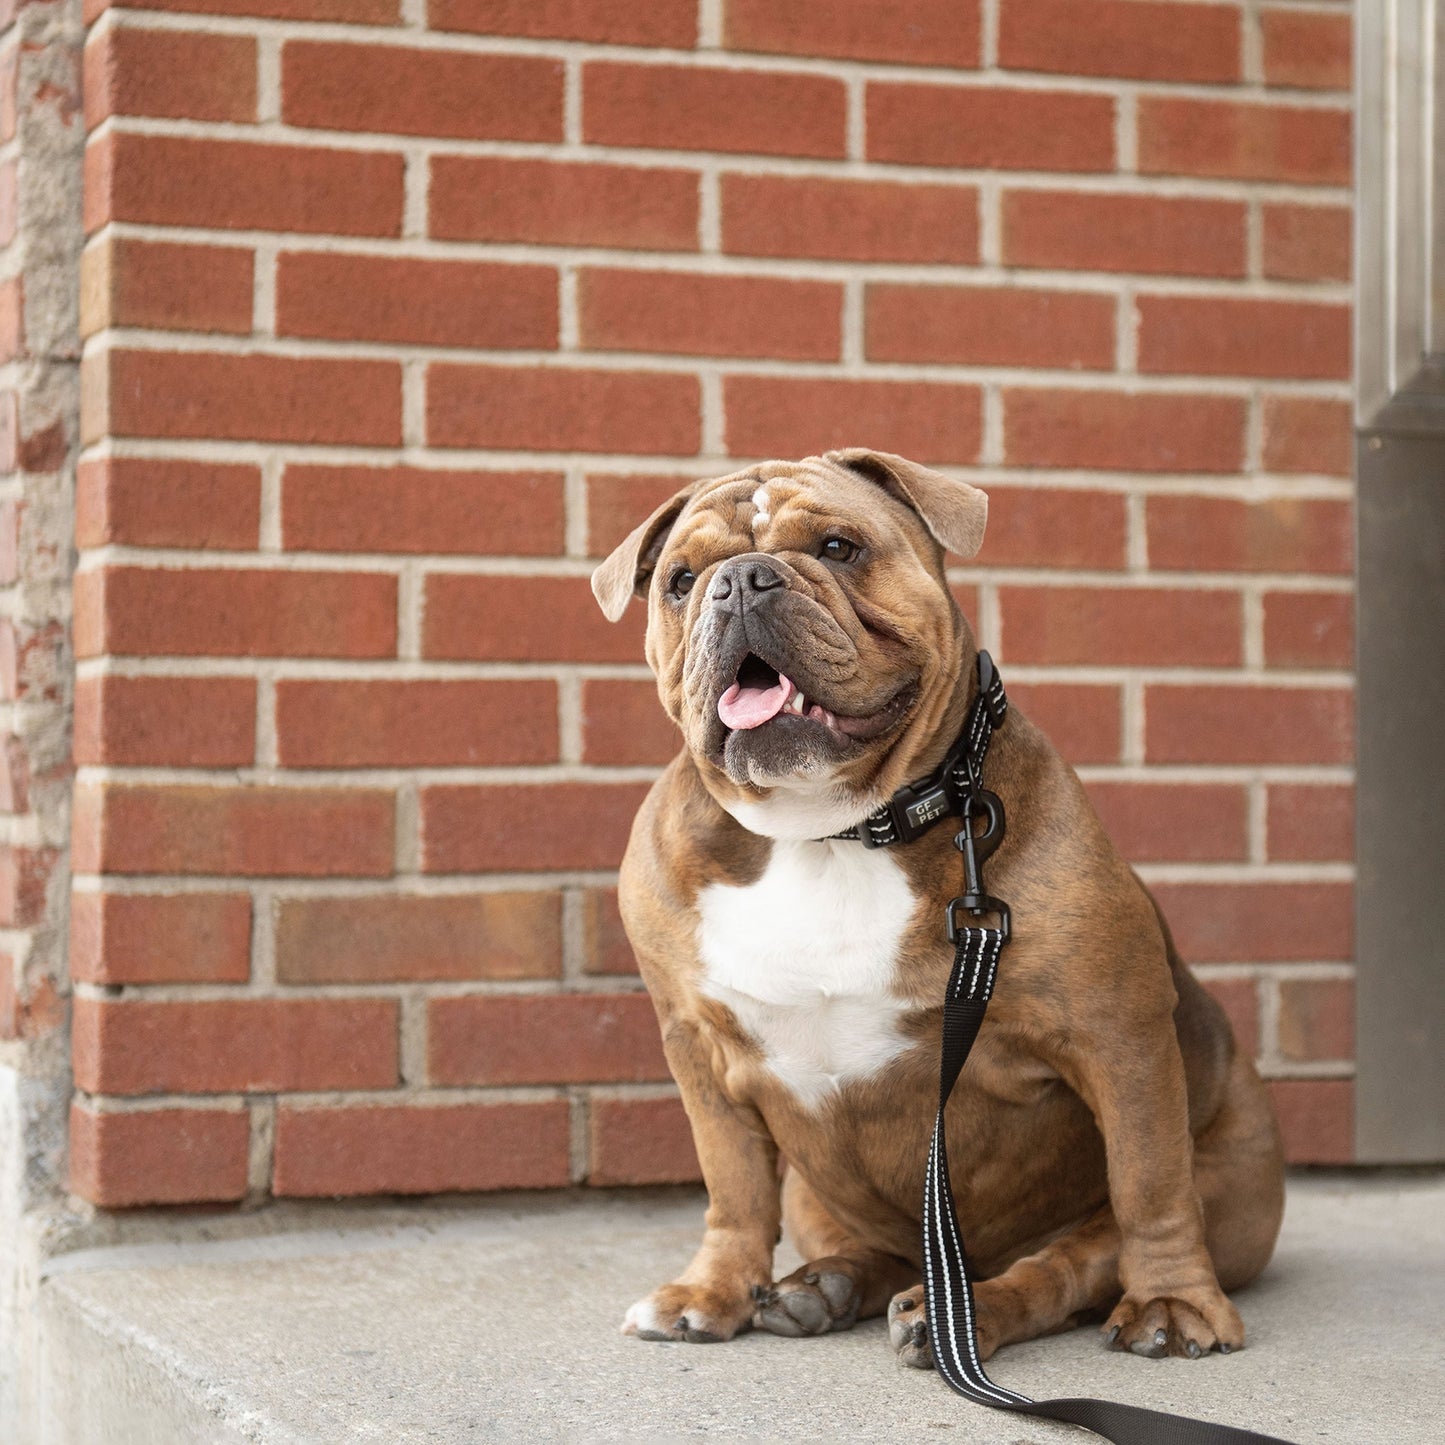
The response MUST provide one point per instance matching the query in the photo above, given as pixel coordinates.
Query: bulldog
(1113, 1153)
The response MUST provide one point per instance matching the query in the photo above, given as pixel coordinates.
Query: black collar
(917, 806)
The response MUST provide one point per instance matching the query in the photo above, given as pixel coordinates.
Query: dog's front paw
(690, 1312)
(908, 1328)
(1203, 1320)
(813, 1300)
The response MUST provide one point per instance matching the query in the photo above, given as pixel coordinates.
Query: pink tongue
(750, 707)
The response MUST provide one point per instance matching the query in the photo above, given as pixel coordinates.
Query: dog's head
(802, 630)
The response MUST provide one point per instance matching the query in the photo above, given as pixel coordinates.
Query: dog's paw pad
(908, 1329)
(810, 1301)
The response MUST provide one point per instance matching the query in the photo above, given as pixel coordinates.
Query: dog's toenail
(1224, 1349)
(1113, 1335)
(905, 1304)
(810, 1278)
(920, 1332)
(1193, 1349)
(683, 1325)
(1160, 1337)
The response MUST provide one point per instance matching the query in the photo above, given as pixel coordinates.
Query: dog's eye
(681, 584)
(838, 549)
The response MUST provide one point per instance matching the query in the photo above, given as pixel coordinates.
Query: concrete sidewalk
(497, 1320)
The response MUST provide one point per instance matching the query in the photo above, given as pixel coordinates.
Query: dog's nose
(749, 573)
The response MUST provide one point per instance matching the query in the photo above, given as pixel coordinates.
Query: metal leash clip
(976, 849)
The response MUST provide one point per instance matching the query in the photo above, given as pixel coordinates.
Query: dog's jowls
(1112, 1153)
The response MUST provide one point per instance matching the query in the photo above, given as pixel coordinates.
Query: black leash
(948, 1292)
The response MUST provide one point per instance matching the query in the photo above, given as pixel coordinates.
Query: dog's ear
(953, 511)
(625, 574)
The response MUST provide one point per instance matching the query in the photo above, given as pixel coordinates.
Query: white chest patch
(805, 959)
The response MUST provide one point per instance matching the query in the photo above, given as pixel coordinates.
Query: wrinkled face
(804, 638)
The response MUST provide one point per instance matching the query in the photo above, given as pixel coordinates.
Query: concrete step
(497, 1320)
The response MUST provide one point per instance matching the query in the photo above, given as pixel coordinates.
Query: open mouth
(762, 694)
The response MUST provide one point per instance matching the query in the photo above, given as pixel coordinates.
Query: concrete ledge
(497, 1320)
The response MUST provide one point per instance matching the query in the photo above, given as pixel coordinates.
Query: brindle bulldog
(1112, 1151)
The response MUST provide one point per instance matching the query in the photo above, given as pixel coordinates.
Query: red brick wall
(398, 314)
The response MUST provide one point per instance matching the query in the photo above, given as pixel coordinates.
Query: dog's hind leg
(1239, 1174)
(845, 1279)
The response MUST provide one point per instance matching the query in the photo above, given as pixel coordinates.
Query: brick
(769, 416)
(1243, 336)
(353, 12)
(234, 612)
(989, 127)
(141, 1046)
(414, 722)
(908, 32)
(670, 23)
(417, 1149)
(1307, 243)
(849, 220)
(428, 303)
(1154, 235)
(168, 180)
(1128, 626)
(245, 831)
(989, 326)
(1239, 998)
(526, 827)
(12, 318)
(1310, 822)
(24, 882)
(528, 408)
(35, 1014)
(9, 79)
(1045, 527)
(605, 949)
(1316, 1019)
(563, 203)
(1309, 629)
(1116, 431)
(1260, 922)
(1306, 48)
(616, 504)
(165, 286)
(421, 509)
(159, 1156)
(693, 315)
(1245, 140)
(1227, 723)
(1307, 436)
(215, 396)
(1317, 1118)
(1175, 822)
(1132, 38)
(332, 86)
(390, 938)
(542, 1039)
(11, 1009)
(1084, 721)
(702, 108)
(623, 724)
(165, 502)
(1226, 534)
(33, 661)
(175, 74)
(522, 619)
(141, 938)
(9, 201)
(640, 1141)
(14, 776)
(179, 722)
